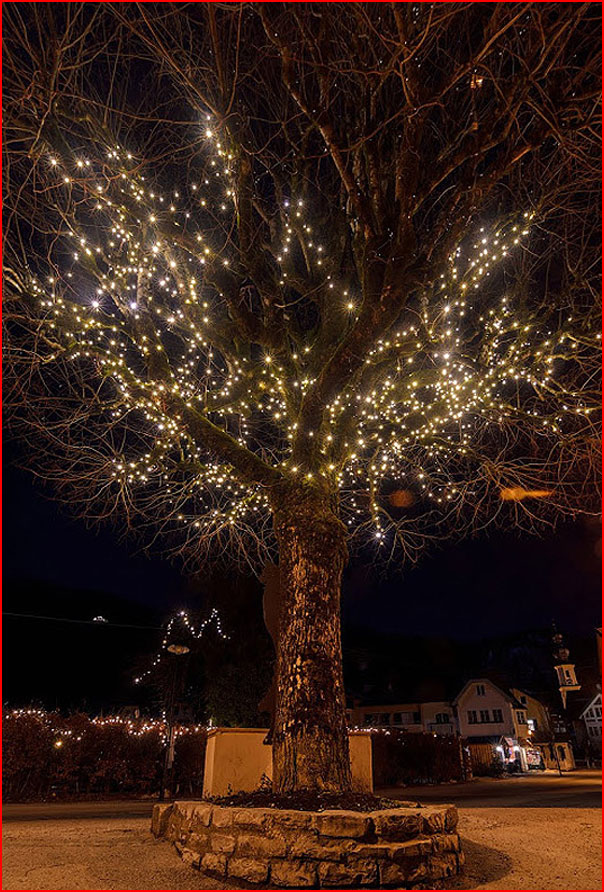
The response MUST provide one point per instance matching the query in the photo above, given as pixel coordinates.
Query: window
(484, 715)
(598, 710)
(417, 717)
(397, 718)
(385, 718)
(472, 717)
(523, 699)
(532, 724)
(442, 718)
(497, 715)
(480, 690)
(520, 717)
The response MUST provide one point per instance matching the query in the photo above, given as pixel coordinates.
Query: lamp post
(166, 781)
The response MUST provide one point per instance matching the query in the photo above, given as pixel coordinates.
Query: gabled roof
(505, 693)
(595, 701)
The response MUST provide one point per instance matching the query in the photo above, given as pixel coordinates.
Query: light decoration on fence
(133, 727)
(151, 268)
(191, 629)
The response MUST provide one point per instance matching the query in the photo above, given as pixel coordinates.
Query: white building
(485, 710)
(592, 717)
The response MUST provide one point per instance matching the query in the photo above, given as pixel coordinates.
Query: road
(523, 833)
(576, 789)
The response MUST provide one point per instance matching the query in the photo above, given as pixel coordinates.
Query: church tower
(565, 670)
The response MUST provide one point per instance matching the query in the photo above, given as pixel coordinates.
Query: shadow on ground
(483, 865)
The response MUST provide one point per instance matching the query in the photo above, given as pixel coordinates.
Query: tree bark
(310, 743)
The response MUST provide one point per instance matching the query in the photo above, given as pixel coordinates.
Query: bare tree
(297, 277)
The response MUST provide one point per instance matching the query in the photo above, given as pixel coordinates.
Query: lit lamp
(166, 784)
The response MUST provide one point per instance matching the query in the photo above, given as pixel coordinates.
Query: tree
(293, 277)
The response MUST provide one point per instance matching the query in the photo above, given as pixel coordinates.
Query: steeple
(565, 670)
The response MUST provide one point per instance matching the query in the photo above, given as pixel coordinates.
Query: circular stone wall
(407, 847)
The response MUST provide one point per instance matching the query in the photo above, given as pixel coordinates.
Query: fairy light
(140, 727)
(182, 618)
(155, 329)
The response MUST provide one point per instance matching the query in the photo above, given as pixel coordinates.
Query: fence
(401, 757)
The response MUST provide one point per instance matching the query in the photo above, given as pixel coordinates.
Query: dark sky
(55, 566)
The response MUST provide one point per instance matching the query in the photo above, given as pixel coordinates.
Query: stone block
(446, 842)
(334, 875)
(433, 819)
(293, 874)
(255, 846)
(289, 819)
(400, 873)
(214, 864)
(351, 824)
(223, 844)
(189, 856)
(222, 817)
(254, 818)
(366, 870)
(444, 865)
(201, 816)
(199, 842)
(307, 844)
(451, 817)
(160, 818)
(397, 824)
(248, 869)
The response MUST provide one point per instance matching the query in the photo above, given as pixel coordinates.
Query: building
(500, 724)
(486, 710)
(592, 718)
(435, 716)
(538, 716)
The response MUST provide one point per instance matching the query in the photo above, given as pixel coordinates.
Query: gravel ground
(117, 853)
(531, 848)
(506, 848)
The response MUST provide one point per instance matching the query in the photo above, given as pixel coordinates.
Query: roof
(578, 701)
(505, 692)
(594, 700)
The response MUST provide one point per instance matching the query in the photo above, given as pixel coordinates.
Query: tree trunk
(310, 743)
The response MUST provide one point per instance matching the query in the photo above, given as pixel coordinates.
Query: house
(486, 710)
(592, 717)
(538, 717)
(436, 716)
(493, 715)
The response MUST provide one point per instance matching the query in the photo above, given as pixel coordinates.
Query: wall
(492, 699)
(402, 847)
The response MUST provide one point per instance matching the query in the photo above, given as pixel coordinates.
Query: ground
(538, 832)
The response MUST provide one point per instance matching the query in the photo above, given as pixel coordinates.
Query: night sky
(54, 566)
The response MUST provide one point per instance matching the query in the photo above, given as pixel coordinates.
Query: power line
(85, 622)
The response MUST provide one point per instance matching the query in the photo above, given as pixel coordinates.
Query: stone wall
(407, 847)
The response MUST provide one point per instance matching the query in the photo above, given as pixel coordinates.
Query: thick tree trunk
(310, 743)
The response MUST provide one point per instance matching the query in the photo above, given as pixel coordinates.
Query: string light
(182, 617)
(150, 310)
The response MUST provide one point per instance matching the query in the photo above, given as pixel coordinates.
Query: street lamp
(166, 781)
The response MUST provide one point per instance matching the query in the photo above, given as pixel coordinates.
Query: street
(538, 832)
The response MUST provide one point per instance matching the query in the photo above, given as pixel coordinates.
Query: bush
(47, 755)
(401, 757)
